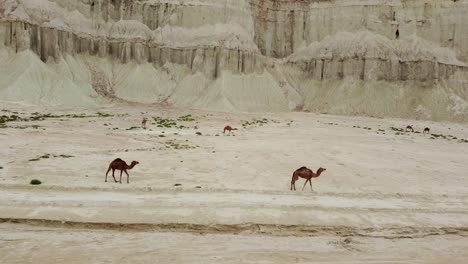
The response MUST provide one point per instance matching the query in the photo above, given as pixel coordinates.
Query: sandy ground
(386, 197)
(26, 244)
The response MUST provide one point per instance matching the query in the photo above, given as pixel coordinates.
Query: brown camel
(144, 122)
(119, 164)
(228, 128)
(409, 128)
(307, 174)
(426, 130)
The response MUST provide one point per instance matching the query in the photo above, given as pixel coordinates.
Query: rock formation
(400, 58)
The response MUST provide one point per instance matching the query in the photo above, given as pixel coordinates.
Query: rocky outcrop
(51, 43)
(375, 69)
(367, 56)
(284, 26)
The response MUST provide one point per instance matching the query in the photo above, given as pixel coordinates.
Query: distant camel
(119, 164)
(307, 174)
(426, 130)
(144, 122)
(409, 128)
(228, 128)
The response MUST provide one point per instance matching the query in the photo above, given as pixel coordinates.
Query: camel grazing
(228, 128)
(409, 128)
(119, 164)
(144, 122)
(307, 174)
(426, 130)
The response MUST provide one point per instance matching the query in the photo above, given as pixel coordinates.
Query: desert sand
(386, 197)
(78, 77)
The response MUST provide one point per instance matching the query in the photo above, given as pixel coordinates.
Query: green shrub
(35, 182)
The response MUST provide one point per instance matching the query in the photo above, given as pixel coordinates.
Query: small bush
(65, 156)
(99, 114)
(186, 118)
(397, 129)
(198, 133)
(35, 182)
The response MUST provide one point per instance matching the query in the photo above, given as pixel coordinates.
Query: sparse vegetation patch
(172, 123)
(46, 156)
(172, 144)
(257, 122)
(186, 118)
(397, 129)
(36, 116)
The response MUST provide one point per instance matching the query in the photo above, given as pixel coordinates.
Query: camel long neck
(129, 167)
(318, 173)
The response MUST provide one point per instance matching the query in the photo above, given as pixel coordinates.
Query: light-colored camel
(307, 174)
(119, 164)
(426, 130)
(229, 129)
(409, 128)
(144, 122)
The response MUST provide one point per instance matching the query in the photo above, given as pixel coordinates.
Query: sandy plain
(387, 196)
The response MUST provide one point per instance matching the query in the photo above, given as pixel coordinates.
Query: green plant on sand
(35, 182)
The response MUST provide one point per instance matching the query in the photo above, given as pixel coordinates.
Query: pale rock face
(341, 56)
(282, 27)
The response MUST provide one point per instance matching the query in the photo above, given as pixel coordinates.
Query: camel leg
(305, 184)
(113, 171)
(107, 173)
(310, 181)
(121, 176)
(293, 182)
(127, 175)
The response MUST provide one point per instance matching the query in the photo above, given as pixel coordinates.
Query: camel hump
(302, 168)
(118, 159)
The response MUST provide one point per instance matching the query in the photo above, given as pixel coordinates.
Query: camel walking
(426, 130)
(307, 174)
(229, 129)
(119, 164)
(409, 128)
(144, 122)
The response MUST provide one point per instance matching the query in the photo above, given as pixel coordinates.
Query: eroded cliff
(401, 58)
